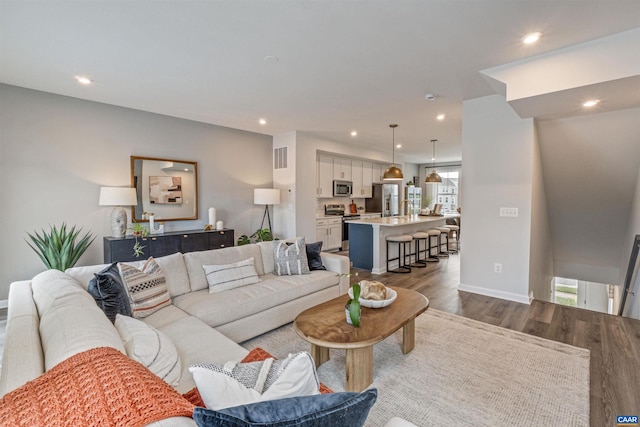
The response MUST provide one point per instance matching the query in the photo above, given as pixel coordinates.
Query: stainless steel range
(337, 209)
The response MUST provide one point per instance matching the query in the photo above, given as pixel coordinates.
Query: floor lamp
(266, 197)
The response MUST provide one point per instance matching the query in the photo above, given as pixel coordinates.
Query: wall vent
(280, 158)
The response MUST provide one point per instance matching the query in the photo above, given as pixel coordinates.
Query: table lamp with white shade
(118, 197)
(266, 197)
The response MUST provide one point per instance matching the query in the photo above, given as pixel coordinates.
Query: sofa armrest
(339, 264)
(23, 358)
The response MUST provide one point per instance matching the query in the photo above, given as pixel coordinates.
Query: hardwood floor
(614, 342)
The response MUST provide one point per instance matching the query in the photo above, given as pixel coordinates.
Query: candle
(219, 225)
(212, 216)
(151, 225)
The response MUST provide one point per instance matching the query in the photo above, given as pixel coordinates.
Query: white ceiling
(343, 65)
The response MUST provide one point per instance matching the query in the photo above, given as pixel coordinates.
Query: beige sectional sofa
(52, 317)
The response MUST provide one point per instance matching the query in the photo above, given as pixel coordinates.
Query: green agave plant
(58, 248)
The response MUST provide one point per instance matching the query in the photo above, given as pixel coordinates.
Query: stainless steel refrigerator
(384, 199)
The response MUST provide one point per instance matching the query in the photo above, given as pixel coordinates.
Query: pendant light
(433, 177)
(393, 173)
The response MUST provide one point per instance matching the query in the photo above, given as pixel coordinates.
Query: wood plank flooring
(614, 342)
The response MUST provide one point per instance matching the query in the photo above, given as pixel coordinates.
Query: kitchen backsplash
(342, 200)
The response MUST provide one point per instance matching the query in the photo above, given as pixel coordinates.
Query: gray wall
(497, 151)
(56, 152)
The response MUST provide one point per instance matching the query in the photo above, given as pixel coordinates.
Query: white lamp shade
(117, 196)
(266, 196)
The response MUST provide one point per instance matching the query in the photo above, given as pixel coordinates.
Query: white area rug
(463, 373)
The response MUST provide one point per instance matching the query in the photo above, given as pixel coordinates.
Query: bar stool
(444, 233)
(402, 240)
(433, 235)
(454, 229)
(417, 237)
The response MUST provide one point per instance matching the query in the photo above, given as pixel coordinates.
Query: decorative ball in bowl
(374, 294)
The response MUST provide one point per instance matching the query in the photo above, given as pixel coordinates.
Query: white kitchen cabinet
(356, 176)
(324, 179)
(367, 179)
(377, 172)
(342, 168)
(329, 231)
(362, 176)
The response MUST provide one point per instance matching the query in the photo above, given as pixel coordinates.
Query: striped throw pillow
(291, 258)
(147, 288)
(228, 276)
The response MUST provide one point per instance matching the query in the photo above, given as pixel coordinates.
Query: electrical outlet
(509, 212)
(497, 267)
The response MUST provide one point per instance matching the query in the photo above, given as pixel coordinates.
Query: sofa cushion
(228, 306)
(198, 343)
(228, 276)
(150, 347)
(266, 248)
(147, 288)
(96, 387)
(291, 259)
(313, 256)
(109, 292)
(336, 409)
(70, 320)
(233, 384)
(195, 260)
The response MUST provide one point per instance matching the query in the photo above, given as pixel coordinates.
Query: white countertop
(321, 216)
(395, 221)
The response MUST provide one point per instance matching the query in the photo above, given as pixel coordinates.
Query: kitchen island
(367, 238)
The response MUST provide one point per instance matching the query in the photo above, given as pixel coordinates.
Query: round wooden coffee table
(325, 327)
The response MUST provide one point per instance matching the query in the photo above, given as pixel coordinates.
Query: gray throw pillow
(108, 290)
(291, 259)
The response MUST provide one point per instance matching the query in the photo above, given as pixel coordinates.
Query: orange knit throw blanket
(98, 387)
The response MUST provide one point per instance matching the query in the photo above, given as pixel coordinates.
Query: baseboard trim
(4, 303)
(510, 296)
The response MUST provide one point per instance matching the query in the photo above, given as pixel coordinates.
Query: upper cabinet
(378, 171)
(342, 169)
(324, 177)
(362, 174)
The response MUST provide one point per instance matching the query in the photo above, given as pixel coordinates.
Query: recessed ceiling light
(271, 59)
(398, 145)
(440, 116)
(262, 122)
(354, 133)
(531, 38)
(84, 80)
(591, 103)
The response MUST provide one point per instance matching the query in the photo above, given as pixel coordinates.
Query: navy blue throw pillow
(313, 256)
(108, 291)
(321, 410)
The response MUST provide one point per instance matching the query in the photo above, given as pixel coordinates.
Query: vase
(348, 313)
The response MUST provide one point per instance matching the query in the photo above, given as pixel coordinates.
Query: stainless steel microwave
(342, 188)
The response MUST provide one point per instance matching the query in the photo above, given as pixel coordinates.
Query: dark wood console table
(157, 245)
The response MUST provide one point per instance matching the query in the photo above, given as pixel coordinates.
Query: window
(446, 193)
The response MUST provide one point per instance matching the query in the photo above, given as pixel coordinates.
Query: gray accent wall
(56, 152)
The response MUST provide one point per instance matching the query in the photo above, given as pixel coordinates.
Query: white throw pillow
(235, 384)
(152, 348)
(228, 276)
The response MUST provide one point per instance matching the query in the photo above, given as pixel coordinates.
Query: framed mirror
(167, 188)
